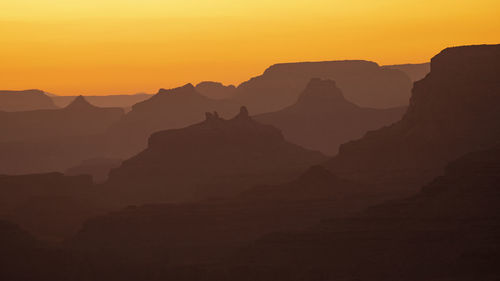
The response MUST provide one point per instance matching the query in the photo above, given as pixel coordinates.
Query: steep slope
(24, 100)
(215, 90)
(414, 71)
(454, 110)
(168, 109)
(362, 82)
(322, 119)
(212, 158)
(77, 119)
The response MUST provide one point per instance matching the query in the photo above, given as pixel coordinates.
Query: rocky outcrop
(453, 110)
(322, 119)
(24, 100)
(362, 82)
(216, 157)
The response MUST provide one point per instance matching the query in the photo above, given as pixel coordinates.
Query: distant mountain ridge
(77, 119)
(364, 83)
(25, 100)
(322, 119)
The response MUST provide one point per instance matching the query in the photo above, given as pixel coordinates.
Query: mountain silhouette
(362, 82)
(123, 101)
(25, 100)
(168, 109)
(216, 157)
(453, 110)
(79, 118)
(322, 119)
(215, 90)
(414, 71)
(43, 141)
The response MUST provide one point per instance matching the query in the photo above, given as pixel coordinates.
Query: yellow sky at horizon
(128, 46)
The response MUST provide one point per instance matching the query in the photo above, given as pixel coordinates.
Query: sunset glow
(128, 46)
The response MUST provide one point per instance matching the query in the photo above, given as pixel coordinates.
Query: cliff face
(24, 100)
(322, 119)
(362, 82)
(454, 110)
(213, 158)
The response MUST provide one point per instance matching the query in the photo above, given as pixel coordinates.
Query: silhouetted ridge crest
(80, 103)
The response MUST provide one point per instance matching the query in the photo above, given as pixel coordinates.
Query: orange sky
(129, 46)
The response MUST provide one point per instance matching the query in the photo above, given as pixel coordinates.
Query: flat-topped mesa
(299, 67)
(319, 90)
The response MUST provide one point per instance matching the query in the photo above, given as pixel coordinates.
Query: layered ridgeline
(322, 119)
(213, 158)
(53, 140)
(362, 82)
(174, 234)
(451, 228)
(448, 231)
(25, 100)
(79, 118)
(454, 110)
(168, 109)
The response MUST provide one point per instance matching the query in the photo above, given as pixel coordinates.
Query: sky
(98, 47)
